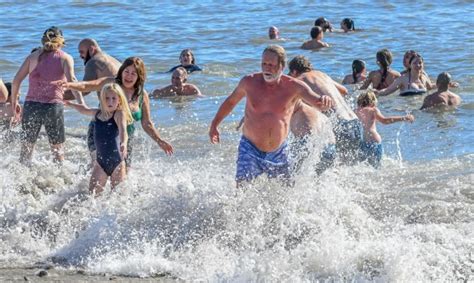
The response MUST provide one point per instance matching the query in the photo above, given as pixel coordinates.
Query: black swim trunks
(36, 114)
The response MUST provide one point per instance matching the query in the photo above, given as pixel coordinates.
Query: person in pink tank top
(44, 99)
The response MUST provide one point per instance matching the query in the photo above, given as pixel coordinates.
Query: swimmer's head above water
(317, 33)
(347, 25)
(358, 67)
(323, 23)
(273, 33)
(179, 77)
(186, 57)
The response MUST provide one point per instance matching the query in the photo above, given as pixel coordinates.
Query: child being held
(110, 136)
(368, 113)
(442, 97)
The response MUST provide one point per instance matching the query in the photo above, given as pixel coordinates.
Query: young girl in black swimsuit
(110, 136)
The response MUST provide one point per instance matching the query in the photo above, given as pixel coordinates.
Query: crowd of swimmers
(306, 103)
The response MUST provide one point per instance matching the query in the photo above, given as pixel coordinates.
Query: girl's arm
(391, 88)
(123, 135)
(150, 129)
(389, 120)
(82, 108)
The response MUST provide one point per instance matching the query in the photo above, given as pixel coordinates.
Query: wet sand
(63, 275)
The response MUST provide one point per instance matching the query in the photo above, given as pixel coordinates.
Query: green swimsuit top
(137, 116)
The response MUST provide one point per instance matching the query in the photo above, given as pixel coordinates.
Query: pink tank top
(49, 69)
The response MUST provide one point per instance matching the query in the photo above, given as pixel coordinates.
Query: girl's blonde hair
(122, 105)
(367, 99)
(52, 39)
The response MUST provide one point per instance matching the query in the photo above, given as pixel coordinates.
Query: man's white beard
(270, 78)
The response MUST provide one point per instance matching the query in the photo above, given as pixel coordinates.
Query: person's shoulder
(347, 79)
(252, 77)
(395, 73)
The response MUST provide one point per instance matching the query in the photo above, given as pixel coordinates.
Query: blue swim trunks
(252, 162)
(372, 152)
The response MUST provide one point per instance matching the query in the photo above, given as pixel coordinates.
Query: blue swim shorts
(372, 152)
(252, 162)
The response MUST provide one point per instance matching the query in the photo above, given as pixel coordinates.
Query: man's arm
(322, 102)
(69, 72)
(226, 107)
(342, 89)
(162, 92)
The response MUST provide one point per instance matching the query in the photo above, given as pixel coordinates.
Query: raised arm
(393, 119)
(150, 129)
(3, 92)
(226, 107)
(95, 85)
(68, 68)
(121, 122)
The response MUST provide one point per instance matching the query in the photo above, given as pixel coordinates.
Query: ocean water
(182, 217)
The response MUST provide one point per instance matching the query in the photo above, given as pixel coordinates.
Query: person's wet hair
(141, 73)
(443, 80)
(384, 57)
(52, 39)
(300, 64)
(367, 99)
(357, 67)
(315, 32)
(349, 23)
(323, 23)
(279, 51)
(187, 50)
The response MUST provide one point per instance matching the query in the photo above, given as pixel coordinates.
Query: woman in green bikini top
(131, 77)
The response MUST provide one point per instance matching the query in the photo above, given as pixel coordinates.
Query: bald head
(87, 42)
(88, 47)
(273, 32)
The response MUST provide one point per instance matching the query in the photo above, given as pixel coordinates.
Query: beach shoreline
(49, 274)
